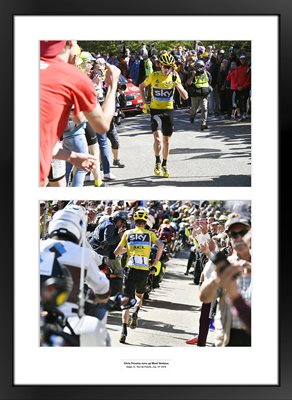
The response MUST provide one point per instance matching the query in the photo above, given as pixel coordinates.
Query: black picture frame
(7, 388)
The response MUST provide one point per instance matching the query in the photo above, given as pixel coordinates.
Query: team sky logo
(162, 94)
(138, 238)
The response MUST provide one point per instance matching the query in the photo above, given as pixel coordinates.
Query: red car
(133, 96)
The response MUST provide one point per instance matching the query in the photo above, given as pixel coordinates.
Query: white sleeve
(207, 237)
(96, 279)
(208, 269)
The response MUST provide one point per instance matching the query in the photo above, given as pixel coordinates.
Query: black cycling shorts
(90, 134)
(135, 282)
(162, 120)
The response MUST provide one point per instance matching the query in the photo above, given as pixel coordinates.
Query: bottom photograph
(145, 273)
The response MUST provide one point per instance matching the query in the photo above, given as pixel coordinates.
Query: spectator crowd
(217, 236)
(228, 72)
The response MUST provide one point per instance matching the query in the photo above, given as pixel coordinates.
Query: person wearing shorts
(163, 84)
(57, 174)
(137, 244)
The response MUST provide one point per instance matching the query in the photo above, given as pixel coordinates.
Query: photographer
(198, 87)
(230, 330)
(105, 239)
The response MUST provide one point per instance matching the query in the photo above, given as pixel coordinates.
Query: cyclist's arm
(160, 246)
(120, 250)
(142, 92)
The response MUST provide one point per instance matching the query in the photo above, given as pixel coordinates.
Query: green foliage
(104, 46)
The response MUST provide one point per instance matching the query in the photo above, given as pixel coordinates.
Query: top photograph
(145, 113)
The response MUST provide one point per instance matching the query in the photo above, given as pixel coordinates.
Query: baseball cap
(51, 48)
(86, 56)
(242, 56)
(100, 61)
(236, 220)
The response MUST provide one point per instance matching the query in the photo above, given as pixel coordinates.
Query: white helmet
(71, 221)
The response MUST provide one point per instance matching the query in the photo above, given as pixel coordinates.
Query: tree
(104, 47)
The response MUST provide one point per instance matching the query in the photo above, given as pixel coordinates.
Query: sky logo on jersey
(138, 238)
(162, 94)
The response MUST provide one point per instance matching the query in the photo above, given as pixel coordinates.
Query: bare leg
(157, 143)
(93, 149)
(125, 316)
(115, 154)
(165, 150)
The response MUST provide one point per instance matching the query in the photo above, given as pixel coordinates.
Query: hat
(200, 63)
(236, 220)
(242, 56)
(221, 51)
(86, 56)
(51, 48)
(100, 61)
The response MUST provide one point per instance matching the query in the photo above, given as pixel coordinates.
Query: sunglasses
(235, 234)
(166, 67)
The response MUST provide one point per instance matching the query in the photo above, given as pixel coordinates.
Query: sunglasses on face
(166, 67)
(235, 234)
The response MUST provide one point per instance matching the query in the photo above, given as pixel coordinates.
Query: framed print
(259, 371)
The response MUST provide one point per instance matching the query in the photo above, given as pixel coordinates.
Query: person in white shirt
(66, 243)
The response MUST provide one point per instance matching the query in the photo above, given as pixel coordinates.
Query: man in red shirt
(243, 78)
(62, 85)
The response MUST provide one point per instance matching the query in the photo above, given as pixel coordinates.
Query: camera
(122, 87)
(220, 260)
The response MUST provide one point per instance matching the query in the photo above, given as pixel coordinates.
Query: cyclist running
(163, 84)
(137, 244)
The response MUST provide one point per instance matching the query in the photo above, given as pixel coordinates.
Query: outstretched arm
(101, 117)
(82, 161)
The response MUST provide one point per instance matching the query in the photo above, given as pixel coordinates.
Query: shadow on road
(169, 305)
(222, 180)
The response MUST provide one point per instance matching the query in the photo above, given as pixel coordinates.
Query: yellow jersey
(162, 90)
(138, 242)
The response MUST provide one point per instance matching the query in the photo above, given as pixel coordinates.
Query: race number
(138, 260)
